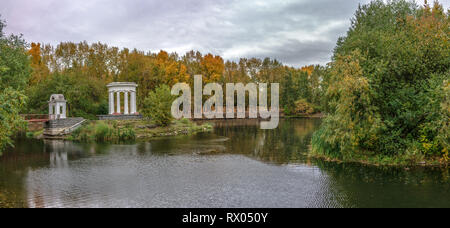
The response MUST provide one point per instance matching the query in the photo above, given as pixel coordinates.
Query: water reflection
(58, 156)
(286, 144)
(239, 165)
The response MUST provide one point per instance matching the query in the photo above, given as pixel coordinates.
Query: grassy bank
(131, 130)
(374, 159)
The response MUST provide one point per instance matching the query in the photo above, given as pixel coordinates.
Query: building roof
(57, 98)
(114, 84)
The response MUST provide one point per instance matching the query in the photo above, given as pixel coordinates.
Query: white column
(57, 109)
(125, 94)
(133, 102)
(118, 103)
(50, 109)
(64, 111)
(111, 102)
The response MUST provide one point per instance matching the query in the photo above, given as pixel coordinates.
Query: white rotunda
(128, 89)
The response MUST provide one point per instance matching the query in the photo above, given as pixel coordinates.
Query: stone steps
(61, 123)
(62, 127)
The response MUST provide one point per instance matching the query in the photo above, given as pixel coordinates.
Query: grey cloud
(296, 32)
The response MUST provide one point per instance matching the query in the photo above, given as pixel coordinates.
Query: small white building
(57, 107)
(115, 89)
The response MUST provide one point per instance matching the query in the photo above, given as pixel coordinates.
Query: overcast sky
(296, 32)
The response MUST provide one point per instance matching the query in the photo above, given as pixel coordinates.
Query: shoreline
(370, 161)
(126, 131)
(144, 130)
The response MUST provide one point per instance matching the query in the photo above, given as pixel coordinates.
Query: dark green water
(238, 165)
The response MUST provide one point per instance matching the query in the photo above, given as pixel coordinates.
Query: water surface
(238, 165)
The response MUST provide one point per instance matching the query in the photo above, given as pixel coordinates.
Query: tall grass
(102, 131)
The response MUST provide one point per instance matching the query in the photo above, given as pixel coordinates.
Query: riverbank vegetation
(132, 130)
(389, 87)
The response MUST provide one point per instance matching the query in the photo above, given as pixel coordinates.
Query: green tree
(14, 62)
(157, 106)
(86, 97)
(11, 102)
(289, 94)
(384, 78)
(14, 74)
(353, 123)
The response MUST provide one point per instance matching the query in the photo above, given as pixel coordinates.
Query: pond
(238, 165)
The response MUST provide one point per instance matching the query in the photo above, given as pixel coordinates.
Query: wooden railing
(35, 117)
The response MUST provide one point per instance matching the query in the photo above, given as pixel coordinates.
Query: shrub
(303, 107)
(157, 106)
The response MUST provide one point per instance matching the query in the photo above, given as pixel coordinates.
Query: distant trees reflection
(288, 143)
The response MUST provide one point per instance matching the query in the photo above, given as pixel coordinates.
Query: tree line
(81, 71)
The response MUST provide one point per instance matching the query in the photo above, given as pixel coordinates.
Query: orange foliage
(172, 70)
(40, 70)
(308, 69)
(35, 53)
(212, 68)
